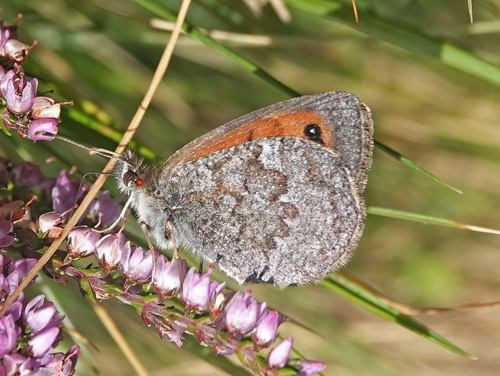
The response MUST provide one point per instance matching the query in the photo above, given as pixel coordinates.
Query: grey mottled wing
(282, 210)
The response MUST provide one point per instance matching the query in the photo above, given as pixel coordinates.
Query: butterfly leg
(169, 234)
(200, 269)
(120, 218)
(145, 231)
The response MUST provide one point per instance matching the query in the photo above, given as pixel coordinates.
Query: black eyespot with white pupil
(313, 132)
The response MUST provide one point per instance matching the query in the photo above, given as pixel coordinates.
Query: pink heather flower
(8, 334)
(15, 309)
(82, 241)
(109, 249)
(45, 107)
(15, 51)
(242, 313)
(47, 221)
(109, 207)
(26, 175)
(20, 266)
(169, 276)
(266, 330)
(137, 265)
(17, 270)
(17, 91)
(42, 129)
(196, 289)
(278, 357)
(64, 364)
(310, 367)
(6, 239)
(43, 342)
(50, 225)
(64, 192)
(17, 364)
(39, 315)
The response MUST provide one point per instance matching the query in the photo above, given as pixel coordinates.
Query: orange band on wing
(276, 125)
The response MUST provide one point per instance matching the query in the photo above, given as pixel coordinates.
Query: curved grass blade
(343, 285)
(414, 166)
(392, 32)
(392, 213)
(202, 37)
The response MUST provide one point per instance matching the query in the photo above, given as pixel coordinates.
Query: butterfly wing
(282, 210)
(336, 120)
(276, 195)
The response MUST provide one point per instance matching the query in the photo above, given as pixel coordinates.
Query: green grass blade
(392, 213)
(408, 162)
(393, 32)
(346, 287)
(238, 59)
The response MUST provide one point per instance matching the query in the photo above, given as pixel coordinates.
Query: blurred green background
(102, 54)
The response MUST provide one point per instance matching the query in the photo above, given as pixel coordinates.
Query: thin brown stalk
(119, 339)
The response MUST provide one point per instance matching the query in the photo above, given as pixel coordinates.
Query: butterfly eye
(130, 176)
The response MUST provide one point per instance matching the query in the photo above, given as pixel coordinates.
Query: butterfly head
(129, 171)
(134, 175)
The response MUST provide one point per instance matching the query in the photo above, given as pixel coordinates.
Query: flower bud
(45, 107)
(50, 225)
(15, 52)
(196, 289)
(278, 357)
(82, 241)
(109, 249)
(266, 330)
(42, 129)
(309, 367)
(137, 265)
(169, 276)
(242, 313)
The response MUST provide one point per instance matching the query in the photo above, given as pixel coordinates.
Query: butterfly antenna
(80, 187)
(102, 152)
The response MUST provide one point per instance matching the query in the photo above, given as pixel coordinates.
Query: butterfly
(275, 196)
